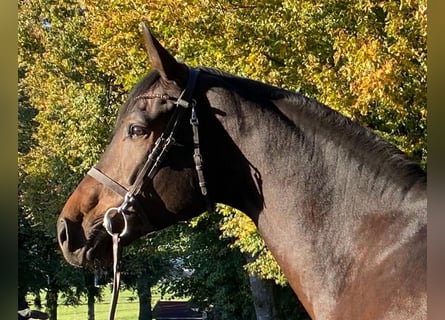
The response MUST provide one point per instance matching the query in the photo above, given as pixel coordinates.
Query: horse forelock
(140, 88)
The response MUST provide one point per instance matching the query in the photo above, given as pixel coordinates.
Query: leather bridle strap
(160, 149)
(162, 145)
(117, 254)
(197, 157)
(166, 140)
(107, 181)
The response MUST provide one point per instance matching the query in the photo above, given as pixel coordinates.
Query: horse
(342, 210)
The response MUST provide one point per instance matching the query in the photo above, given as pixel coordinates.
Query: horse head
(146, 179)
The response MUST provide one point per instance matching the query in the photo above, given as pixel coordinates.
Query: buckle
(193, 117)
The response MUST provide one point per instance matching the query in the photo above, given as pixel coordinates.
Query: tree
(144, 264)
(42, 267)
(214, 281)
(47, 170)
(366, 59)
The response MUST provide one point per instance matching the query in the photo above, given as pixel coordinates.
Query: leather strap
(117, 253)
(107, 181)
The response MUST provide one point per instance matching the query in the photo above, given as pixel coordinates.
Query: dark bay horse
(342, 210)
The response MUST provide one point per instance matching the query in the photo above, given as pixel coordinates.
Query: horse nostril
(62, 231)
(71, 240)
(70, 235)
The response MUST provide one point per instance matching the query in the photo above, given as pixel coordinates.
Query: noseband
(148, 172)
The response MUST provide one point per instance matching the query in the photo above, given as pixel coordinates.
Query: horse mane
(360, 141)
(306, 113)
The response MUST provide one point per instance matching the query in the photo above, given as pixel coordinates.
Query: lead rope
(117, 254)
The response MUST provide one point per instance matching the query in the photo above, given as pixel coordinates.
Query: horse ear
(162, 61)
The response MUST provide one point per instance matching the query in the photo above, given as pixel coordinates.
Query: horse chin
(95, 259)
(89, 258)
(96, 253)
(75, 258)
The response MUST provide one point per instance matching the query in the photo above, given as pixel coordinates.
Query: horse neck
(319, 191)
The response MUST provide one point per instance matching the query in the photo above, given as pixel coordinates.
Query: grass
(127, 307)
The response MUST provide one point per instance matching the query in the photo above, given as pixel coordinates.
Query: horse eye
(137, 131)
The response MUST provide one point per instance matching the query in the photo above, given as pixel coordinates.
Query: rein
(147, 173)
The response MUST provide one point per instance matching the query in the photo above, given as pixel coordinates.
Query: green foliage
(215, 283)
(64, 112)
(73, 102)
(154, 256)
(32, 275)
(41, 264)
(366, 59)
(240, 228)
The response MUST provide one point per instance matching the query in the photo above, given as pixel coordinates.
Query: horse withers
(341, 210)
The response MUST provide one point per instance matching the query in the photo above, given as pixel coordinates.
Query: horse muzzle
(82, 251)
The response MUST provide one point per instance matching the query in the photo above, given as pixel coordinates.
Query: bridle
(151, 166)
(161, 147)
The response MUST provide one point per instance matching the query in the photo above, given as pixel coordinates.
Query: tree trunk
(263, 296)
(144, 295)
(51, 303)
(91, 294)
